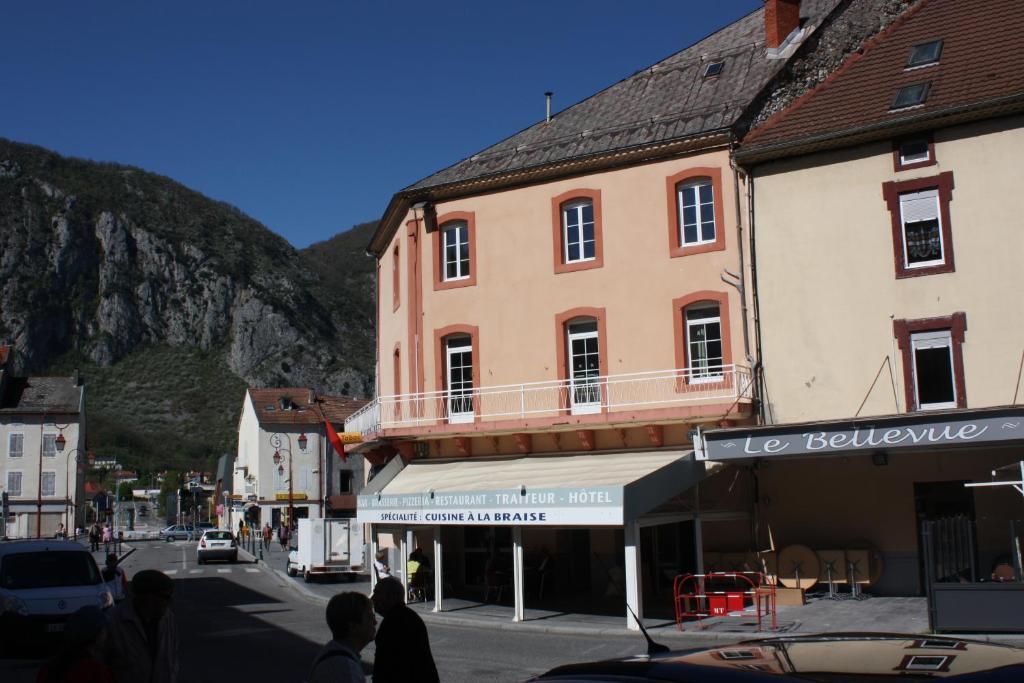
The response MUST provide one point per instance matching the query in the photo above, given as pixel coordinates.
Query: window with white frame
(704, 343)
(922, 229)
(696, 201)
(584, 366)
(50, 445)
(14, 483)
(49, 484)
(455, 250)
(578, 242)
(15, 445)
(459, 367)
(916, 151)
(934, 383)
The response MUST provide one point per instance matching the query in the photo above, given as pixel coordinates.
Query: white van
(42, 583)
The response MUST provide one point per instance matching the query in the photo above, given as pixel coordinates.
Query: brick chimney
(781, 17)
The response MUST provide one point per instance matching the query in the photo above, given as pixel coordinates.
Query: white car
(42, 583)
(216, 544)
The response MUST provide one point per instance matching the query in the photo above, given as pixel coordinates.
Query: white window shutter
(920, 206)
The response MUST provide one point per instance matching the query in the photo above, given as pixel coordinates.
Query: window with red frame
(921, 231)
(933, 364)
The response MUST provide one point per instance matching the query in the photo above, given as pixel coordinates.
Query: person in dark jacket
(402, 646)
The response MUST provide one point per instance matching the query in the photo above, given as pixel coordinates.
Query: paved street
(243, 622)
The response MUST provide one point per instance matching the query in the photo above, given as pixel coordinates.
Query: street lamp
(60, 442)
(277, 441)
(39, 480)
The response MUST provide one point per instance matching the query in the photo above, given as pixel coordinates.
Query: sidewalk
(819, 615)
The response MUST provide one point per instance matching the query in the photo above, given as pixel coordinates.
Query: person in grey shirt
(353, 624)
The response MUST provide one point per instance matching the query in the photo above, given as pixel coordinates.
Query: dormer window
(910, 96)
(925, 54)
(713, 69)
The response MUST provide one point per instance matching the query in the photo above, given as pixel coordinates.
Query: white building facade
(284, 460)
(42, 443)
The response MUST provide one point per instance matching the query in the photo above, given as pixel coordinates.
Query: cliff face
(101, 261)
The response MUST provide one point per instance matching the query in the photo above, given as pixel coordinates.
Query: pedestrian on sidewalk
(143, 643)
(108, 537)
(282, 536)
(380, 565)
(403, 647)
(268, 535)
(94, 537)
(78, 658)
(353, 625)
(60, 531)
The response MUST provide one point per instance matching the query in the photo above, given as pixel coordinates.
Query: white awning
(604, 489)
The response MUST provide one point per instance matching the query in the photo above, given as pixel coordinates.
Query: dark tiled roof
(36, 395)
(666, 101)
(667, 108)
(981, 66)
(267, 403)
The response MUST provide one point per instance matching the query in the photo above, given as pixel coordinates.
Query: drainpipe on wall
(739, 282)
(764, 416)
(742, 267)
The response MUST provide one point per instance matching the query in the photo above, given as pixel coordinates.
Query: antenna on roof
(547, 99)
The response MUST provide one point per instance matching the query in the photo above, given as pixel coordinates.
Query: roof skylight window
(910, 96)
(925, 54)
(713, 69)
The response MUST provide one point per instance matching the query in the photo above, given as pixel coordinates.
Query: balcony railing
(657, 389)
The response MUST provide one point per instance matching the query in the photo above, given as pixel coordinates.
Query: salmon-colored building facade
(558, 315)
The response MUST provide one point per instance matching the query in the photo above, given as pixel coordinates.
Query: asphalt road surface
(241, 622)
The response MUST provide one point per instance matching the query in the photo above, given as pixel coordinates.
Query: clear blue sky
(309, 115)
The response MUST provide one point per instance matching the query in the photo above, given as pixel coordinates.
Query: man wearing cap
(143, 642)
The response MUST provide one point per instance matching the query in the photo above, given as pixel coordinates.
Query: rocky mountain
(105, 267)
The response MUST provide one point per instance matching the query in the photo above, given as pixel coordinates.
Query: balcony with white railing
(552, 399)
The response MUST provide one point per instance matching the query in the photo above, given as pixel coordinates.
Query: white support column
(517, 571)
(698, 544)
(374, 547)
(404, 559)
(634, 596)
(438, 569)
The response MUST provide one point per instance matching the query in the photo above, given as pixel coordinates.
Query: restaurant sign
(595, 505)
(883, 435)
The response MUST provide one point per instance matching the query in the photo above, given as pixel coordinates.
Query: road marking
(183, 565)
(224, 570)
(195, 571)
(171, 572)
(250, 570)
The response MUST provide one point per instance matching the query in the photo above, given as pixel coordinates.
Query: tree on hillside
(124, 491)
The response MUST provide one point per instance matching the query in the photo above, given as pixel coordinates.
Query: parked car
(825, 657)
(41, 584)
(216, 544)
(178, 532)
